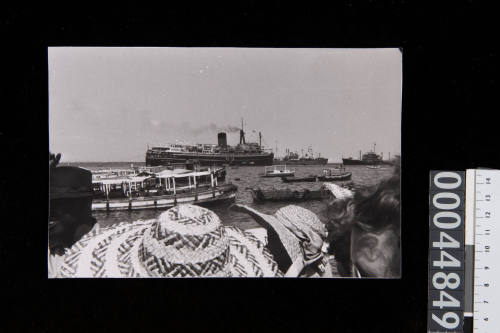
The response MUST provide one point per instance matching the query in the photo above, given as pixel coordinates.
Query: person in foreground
(70, 215)
(365, 230)
(190, 241)
(185, 241)
(297, 239)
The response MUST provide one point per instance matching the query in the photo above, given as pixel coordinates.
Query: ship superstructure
(369, 158)
(244, 153)
(292, 158)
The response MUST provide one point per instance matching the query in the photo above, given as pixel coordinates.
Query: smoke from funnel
(230, 129)
(212, 128)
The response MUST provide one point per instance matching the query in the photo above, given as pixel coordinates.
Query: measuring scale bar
(482, 238)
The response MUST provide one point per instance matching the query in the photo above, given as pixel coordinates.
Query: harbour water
(246, 177)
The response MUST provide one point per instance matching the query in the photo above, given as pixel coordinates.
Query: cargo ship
(244, 153)
(292, 158)
(369, 158)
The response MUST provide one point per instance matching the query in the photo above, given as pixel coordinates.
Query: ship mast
(242, 133)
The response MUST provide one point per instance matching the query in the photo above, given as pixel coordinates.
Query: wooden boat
(223, 193)
(373, 166)
(336, 174)
(289, 195)
(339, 177)
(328, 176)
(296, 180)
(260, 195)
(277, 171)
(165, 189)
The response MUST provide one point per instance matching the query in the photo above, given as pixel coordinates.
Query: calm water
(245, 177)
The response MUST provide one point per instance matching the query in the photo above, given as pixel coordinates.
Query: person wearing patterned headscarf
(365, 231)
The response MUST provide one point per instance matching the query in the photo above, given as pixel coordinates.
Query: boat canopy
(109, 181)
(183, 174)
(194, 174)
(171, 173)
(138, 178)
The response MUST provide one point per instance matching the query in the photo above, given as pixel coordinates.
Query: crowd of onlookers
(362, 233)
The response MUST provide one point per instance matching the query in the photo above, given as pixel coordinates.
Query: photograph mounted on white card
(224, 162)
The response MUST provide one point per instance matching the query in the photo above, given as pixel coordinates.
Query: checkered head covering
(297, 237)
(185, 241)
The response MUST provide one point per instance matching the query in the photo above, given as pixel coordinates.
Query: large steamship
(244, 153)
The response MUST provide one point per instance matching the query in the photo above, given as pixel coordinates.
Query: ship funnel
(222, 139)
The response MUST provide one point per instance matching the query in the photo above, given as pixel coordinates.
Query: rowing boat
(324, 178)
(260, 195)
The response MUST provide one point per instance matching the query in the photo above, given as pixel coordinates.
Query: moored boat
(335, 174)
(297, 180)
(277, 171)
(292, 195)
(328, 175)
(164, 189)
(260, 195)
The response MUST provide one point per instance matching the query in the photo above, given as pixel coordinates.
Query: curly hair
(372, 209)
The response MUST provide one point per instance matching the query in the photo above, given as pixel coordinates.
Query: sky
(108, 104)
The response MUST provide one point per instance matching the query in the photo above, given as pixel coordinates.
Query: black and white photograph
(224, 162)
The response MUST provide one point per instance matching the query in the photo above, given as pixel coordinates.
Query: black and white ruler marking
(482, 239)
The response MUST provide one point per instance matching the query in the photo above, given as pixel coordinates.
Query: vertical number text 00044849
(447, 256)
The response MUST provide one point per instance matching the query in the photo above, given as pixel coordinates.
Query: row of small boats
(298, 195)
(294, 195)
(288, 176)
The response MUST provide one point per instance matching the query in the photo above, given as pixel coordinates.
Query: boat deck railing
(179, 193)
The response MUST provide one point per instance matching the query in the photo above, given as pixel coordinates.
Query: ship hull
(211, 159)
(348, 161)
(316, 161)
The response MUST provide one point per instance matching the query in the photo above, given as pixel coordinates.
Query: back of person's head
(70, 209)
(365, 230)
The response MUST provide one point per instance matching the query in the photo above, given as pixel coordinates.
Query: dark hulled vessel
(292, 158)
(369, 158)
(210, 154)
